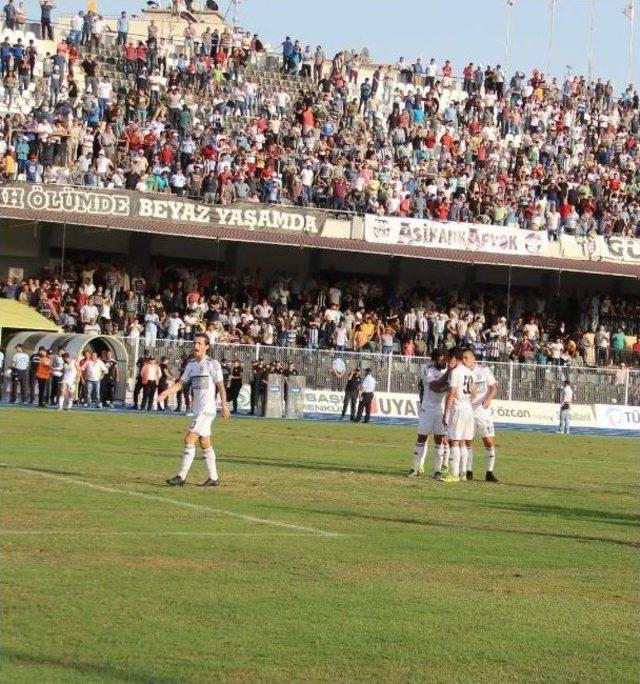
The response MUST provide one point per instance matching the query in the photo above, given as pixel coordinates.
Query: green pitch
(316, 561)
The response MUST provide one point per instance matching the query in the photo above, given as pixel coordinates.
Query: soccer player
(458, 415)
(434, 378)
(68, 382)
(486, 389)
(204, 374)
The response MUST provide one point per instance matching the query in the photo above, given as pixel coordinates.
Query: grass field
(316, 561)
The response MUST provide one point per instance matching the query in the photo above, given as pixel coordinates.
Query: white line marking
(102, 533)
(175, 502)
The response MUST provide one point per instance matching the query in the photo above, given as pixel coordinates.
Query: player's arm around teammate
(433, 381)
(458, 415)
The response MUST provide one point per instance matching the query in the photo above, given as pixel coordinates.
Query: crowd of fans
(202, 117)
(334, 311)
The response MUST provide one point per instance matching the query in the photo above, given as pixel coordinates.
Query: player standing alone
(434, 378)
(458, 415)
(486, 389)
(204, 374)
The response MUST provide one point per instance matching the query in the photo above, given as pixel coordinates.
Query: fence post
(389, 372)
(257, 352)
(510, 392)
(626, 387)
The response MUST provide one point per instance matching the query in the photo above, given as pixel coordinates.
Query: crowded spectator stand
(206, 112)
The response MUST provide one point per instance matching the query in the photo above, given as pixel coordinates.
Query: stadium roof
(287, 238)
(18, 316)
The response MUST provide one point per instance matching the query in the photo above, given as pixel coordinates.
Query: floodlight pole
(632, 21)
(507, 47)
(552, 20)
(592, 27)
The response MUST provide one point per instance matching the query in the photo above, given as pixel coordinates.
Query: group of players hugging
(455, 406)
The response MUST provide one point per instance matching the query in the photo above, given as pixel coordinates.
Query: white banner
(469, 237)
(618, 417)
(406, 407)
(614, 248)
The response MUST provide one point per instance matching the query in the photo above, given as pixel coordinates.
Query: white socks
(454, 461)
(210, 460)
(188, 455)
(438, 458)
(469, 458)
(419, 452)
(491, 458)
(463, 459)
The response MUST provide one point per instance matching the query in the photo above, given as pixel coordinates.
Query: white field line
(175, 502)
(102, 533)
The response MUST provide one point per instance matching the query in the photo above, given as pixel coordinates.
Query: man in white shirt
(367, 388)
(67, 382)
(486, 389)
(89, 312)
(94, 371)
(174, 325)
(556, 348)
(151, 323)
(434, 378)
(458, 414)
(204, 376)
(566, 398)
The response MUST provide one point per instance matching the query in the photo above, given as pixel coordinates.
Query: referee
(367, 388)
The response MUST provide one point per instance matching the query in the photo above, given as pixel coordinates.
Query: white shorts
(484, 423)
(430, 421)
(461, 424)
(201, 424)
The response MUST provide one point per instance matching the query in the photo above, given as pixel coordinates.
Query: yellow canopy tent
(15, 317)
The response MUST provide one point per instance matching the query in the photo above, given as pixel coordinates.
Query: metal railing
(401, 374)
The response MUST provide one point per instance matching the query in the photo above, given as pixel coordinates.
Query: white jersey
(203, 376)
(567, 395)
(69, 373)
(461, 380)
(430, 399)
(483, 380)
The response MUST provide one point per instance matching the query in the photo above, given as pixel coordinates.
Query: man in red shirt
(129, 59)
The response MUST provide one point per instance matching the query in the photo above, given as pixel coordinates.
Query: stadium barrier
(528, 394)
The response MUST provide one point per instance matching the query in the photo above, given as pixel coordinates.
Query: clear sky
(459, 30)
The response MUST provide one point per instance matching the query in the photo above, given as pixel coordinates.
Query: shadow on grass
(563, 512)
(68, 473)
(587, 488)
(307, 465)
(85, 669)
(462, 526)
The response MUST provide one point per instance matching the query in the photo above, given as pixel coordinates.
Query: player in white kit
(204, 374)
(67, 382)
(458, 415)
(487, 389)
(434, 378)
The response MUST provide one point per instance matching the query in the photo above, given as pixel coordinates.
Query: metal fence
(400, 374)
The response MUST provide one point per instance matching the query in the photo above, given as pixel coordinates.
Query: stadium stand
(213, 116)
